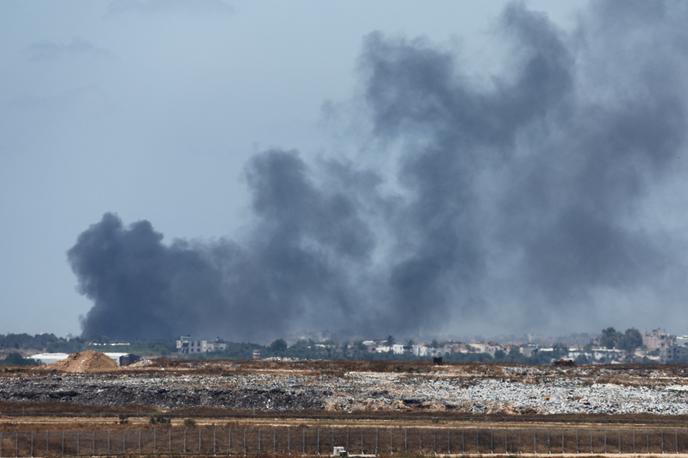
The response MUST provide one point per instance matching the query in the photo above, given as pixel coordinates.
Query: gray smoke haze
(516, 199)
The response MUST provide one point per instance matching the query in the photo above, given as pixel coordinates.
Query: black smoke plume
(517, 200)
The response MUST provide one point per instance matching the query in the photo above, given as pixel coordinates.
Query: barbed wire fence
(302, 440)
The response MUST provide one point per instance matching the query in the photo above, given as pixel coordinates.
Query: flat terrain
(391, 408)
(359, 388)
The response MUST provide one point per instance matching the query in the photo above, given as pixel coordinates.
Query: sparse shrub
(123, 419)
(159, 420)
(189, 423)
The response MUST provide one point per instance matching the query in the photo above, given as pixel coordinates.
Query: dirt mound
(86, 361)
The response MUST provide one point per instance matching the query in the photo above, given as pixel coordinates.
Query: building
(52, 358)
(528, 350)
(49, 358)
(397, 349)
(186, 345)
(419, 350)
(661, 343)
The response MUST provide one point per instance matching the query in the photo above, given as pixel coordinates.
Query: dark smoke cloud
(516, 198)
(295, 267)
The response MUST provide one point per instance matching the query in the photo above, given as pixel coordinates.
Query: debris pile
(499, 390)
(86, 362)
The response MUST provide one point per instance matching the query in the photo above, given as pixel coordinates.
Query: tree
(631, 340)
(514, 355)
(499, 355)
(610, 338)
(360, 346)
(16, 359)
(278, 347)
(390, 340)
(560, 350)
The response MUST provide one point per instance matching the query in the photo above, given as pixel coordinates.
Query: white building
(397, 349)
(52, 358)
(419, 350)
(49, 358)
(187, 345)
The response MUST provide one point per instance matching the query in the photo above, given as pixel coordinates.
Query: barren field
(209, 408)
(352, 388)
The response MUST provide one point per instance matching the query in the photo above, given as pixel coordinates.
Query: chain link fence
(301, 440)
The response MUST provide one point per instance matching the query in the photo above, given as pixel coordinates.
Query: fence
(302, 440)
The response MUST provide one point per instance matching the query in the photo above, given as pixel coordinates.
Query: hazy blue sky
(150, 109)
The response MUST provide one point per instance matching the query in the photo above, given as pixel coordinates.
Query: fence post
(244, 441)
(491, 441)
(534, 442)
(16, 444)
(605, 442)
(577, 450)
(562, 442)
(448, 441)
(676, 440)
(618, 439)
(47, 444)
(169, 440)
(155, 441)
(200, 439)
(317, 441)
(463, 441)
(124, 442)
(229, 440)
(32, 439)
(109, 449)
(303, 441)
(377, 439)
(78, 444)
(661, 434)
(62, 453)
(647, 441)
(214, 441)
(288, 440)
(405, 440)
(184, 440)
(549, 442)
(259, 441)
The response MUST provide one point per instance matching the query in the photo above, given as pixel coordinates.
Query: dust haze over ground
(529, 199)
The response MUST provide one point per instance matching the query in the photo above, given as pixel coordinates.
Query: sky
(156, 110)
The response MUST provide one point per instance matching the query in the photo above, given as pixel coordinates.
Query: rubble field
(348, 387)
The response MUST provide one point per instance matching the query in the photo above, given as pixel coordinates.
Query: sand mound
(86, 361)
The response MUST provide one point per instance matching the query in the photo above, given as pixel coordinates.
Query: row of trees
(41, 342)
(628, 340)
(16, 359)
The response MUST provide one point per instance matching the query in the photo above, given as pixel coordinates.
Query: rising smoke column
(295, 267)
(518, 196)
